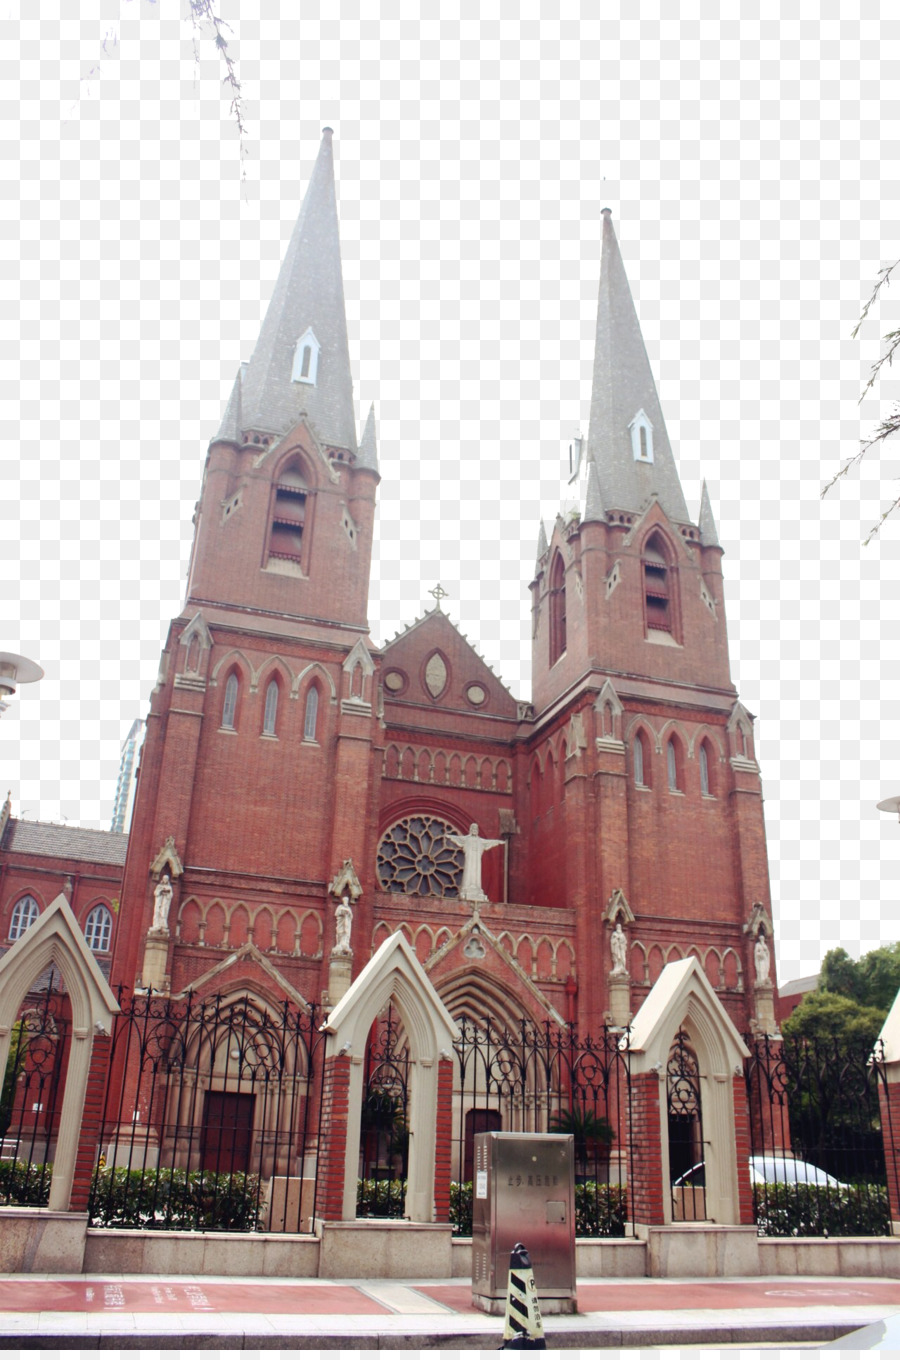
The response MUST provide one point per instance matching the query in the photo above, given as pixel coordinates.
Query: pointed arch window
(98, 929)
(640, 765)
(25, 913)
(289, 509)
(306, 359)
(229, 708)
(704, 769)
(271, 712)
(673, 765)
(557, 608)
(657, 585)
(311, 715)
(641, 438)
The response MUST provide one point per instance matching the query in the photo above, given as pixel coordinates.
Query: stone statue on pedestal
(162, 901)
(618, 947)
(762, 959)
(343, 919)
(474, 846)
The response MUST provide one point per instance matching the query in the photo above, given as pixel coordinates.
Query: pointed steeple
(368, 446)
(281, 381)
(231, 426)
(627, 437)
(709, 536)
(542, 541)
(593, 501)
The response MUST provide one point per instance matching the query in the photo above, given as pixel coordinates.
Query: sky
(751, 165)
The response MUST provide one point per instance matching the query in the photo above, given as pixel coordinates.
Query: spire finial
(439, 594)
(328, 133)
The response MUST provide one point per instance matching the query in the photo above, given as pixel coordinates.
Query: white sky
(751, 165)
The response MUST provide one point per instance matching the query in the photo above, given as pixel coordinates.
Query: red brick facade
(333, 1143)
(647, 1162)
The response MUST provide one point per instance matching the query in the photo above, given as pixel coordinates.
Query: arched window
(306, 359)
(673, 765)
(98, 929)
(637, 752)
(657, 585)
(704, 769)
(229, 708)
(25, 913)
(312, 712)
(288, 514)
(271, 709)
(557, 608)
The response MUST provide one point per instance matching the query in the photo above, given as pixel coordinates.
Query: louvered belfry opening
(288, 516)
(656, 586)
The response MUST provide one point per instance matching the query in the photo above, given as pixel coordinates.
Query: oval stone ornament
(476, 694)
(394, 680)
(435, 675)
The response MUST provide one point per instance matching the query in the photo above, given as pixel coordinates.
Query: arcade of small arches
(216, 925)
(96, 921)
(451, 769)
(723, 967)
(540, 957)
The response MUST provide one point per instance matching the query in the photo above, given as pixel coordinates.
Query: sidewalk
(135, 1311)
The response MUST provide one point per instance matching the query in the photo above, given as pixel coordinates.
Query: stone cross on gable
(439, 594)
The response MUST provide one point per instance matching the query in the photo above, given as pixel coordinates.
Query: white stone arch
(276, 663)
(55, 938)
(740, 967)
(643, 960)
(683, 999)
(395, 975)
(429, 935)
(710, 734)
(314, 668)
(673, 726)
(641, 720)
(235, 654)
(317, 918)
(190, 901)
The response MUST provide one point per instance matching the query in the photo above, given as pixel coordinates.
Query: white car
(771, 1168)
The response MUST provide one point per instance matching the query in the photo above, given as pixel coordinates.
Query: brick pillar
(742, 1150)
(889, 1102)
(333, 1138)
(443, 1143)
(646, 1134)
(91, 1119)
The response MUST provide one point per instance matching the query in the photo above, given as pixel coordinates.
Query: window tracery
(98, 929)
(415, 857)
(25, 913)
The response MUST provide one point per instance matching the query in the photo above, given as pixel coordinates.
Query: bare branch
(203, 10)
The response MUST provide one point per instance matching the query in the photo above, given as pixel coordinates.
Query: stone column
(156, 958)
(764, 1006)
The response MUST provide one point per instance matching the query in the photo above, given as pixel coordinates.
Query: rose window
(415, 857)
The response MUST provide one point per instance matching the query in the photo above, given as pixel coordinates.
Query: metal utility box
(524, 1191)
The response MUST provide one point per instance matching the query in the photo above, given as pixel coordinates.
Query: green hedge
(600, 1210)
(380, 1199)
(821, 1211)
(168, 1199)
(25, 1183)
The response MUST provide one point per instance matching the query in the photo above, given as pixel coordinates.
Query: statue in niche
(473, 845)
(343, 922)
(762, 959)
(162, 901)
(618, 947)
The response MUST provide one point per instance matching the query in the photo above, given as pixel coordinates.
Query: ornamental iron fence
(821, 1140)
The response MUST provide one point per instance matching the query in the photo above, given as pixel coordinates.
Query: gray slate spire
(368, 445)
(593, 501)
(624, 386)
(542, 541)
(309, 293)
(709, 536)
(231, 426)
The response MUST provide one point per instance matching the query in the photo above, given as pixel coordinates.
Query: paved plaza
(131, 1312)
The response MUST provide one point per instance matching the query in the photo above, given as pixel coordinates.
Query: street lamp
(15, 670)
(890, 805)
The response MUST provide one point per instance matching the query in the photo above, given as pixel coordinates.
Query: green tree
(873, 981)
(14, 1064)
(824, 1017)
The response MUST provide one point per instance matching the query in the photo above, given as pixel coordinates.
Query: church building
(304, 793)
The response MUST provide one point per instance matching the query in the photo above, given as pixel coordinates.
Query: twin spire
(628, 457)
(279, 385)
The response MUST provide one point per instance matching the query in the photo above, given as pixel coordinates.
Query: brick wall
(647, 1184)
(89, 1138)
(333, 1138)
(443, 1146)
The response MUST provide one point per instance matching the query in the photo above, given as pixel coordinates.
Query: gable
(433, 665)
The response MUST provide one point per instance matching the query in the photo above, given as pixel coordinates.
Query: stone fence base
(41, 1241)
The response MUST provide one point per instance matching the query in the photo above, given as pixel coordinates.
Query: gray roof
(708, 534)
(64, 842)
(368, 445)
(309, 292)
(232, 422)
(593, 501)
(623, 386)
